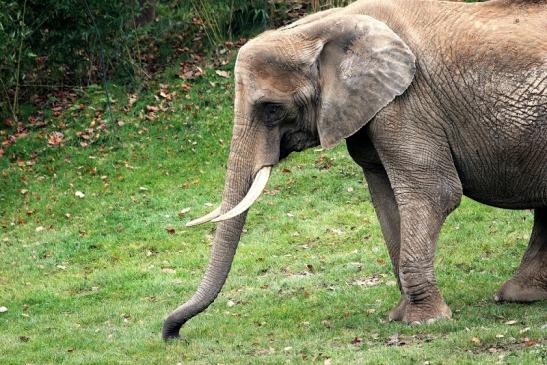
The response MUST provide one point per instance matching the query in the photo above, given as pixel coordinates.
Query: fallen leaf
(168, 270)
(511, 322)
(370, 281)
(230, 303)
(395, 340)
(267, 351)
(189, 71)
(131, 99)
(476, 340)
(529, 342)
(326, 323)
(170, 230)
(222, 73)
(183, 212)
(55, 139)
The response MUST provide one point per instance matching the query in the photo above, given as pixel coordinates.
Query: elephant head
(314, 82)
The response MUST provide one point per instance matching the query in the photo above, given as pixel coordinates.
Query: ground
(94, 251)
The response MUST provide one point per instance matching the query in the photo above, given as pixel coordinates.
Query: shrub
(61, 44)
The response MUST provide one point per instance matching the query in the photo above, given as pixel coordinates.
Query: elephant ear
(363, 65)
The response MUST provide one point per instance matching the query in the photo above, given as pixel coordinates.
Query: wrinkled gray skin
(435, 100)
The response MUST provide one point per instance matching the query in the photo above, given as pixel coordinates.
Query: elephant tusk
(253, 194)
(206, 218)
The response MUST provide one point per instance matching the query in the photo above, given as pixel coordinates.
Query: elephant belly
(507, 179)
(500, 146)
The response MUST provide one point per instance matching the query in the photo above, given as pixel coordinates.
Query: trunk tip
(170, 330)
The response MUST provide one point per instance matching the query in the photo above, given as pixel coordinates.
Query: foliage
(15, 53)
(237, 18)
(63, 44)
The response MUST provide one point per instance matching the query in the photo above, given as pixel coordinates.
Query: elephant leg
(427, 189)
(529, 282)
(387, 212)
(420, 226)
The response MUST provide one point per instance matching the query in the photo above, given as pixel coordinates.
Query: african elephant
(435, 100)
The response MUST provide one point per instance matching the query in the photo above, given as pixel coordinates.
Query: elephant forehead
(260, 74)
(272, 62)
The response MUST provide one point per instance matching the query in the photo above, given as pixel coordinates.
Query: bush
(58, 44)
(243, 17)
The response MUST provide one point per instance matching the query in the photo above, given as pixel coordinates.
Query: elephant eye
(272, 113)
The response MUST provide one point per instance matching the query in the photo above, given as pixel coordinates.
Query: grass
(89, 280)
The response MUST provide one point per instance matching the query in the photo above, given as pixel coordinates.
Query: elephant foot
(419, 313)
(522, 290)
(397, 313)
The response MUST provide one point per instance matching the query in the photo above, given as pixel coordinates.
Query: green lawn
(89, 280)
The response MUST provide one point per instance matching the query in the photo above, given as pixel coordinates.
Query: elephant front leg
(420, 226)
(427, 188)
(387, 212)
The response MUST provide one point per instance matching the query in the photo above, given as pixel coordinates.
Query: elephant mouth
(296, 142)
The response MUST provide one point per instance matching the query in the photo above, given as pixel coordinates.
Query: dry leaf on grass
(55, 139)
(222, 73)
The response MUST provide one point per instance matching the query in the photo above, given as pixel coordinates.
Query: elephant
(434, 99)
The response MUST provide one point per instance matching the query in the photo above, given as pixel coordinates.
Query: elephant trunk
(228, 232)
(220, 262)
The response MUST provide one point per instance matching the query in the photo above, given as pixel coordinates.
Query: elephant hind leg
(529, 282)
